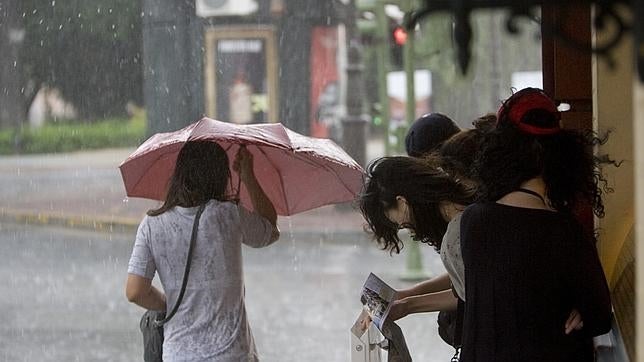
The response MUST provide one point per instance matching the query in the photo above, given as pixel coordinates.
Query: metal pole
(414, 269)
(382, 63)
(354, 124)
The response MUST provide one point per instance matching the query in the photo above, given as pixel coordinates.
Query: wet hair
(484, 123)
(423, 184)
(201, 174)
(458, 153)
(508, 157)
(528, 142)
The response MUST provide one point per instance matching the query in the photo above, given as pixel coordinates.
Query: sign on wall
(208, 8)
(325, 84)
(241, 84)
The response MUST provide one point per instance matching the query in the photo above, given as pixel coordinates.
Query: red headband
(525, 100)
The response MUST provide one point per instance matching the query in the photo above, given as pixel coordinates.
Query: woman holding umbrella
(211, 323)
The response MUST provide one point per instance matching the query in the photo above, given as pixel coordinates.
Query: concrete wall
(613, 112)
(638, 134)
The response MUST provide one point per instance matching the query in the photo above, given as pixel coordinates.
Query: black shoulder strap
(533, 193)
(195, 226)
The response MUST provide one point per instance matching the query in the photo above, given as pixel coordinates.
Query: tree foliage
(89, 49)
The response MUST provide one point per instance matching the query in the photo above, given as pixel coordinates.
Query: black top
(525, 271)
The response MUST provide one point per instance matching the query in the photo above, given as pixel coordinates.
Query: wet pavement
(62, 296)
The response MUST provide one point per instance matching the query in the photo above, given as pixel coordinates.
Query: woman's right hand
(574, 322)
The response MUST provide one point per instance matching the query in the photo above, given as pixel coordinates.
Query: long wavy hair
(508, 157)
(201, 174)
(423, 184)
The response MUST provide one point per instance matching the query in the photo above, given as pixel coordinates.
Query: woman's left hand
(574, 322)
(398, 310)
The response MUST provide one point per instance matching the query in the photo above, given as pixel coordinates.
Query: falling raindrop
(126, 200)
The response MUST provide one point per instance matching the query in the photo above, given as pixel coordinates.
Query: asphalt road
(62, 297)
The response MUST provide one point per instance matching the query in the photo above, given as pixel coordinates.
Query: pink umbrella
(298, 173)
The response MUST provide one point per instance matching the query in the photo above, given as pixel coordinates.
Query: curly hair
(423, 184)
(508, 157)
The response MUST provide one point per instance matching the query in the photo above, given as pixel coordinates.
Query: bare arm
(433, 285)
(431, 302)
(261, 203)
(139, 290)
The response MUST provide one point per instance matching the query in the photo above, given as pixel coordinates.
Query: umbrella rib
(338, 177)
(142, 176)
(280, 178)
(326, 166)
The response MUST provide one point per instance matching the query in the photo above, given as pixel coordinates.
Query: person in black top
(528, 262)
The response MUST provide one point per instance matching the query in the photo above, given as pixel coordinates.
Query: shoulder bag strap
(458, 330)
(195, 226)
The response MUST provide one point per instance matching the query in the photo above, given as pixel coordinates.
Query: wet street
(63, 297)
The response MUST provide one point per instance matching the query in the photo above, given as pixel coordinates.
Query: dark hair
(508, 157)
(458, 153)
(428, 132)
(201, 173)
(485, 123)
(423, 184)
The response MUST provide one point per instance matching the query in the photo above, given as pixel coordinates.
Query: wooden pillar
(567, 72)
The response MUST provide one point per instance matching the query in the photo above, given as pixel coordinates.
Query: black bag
(152, 335)
(447, 326)
(450, 326)
(152, 321)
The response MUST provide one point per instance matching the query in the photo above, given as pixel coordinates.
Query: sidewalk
(85, 190)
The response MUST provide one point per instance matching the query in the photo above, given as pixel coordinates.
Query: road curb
(71, 221)
(130, 225)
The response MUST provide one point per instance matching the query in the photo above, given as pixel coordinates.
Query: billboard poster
(239, 86)
(325, 87)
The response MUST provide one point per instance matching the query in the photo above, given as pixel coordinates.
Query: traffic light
(398, 36)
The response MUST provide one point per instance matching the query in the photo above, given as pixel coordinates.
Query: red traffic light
(400, 35)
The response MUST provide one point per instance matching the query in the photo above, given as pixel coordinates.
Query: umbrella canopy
(296, 172)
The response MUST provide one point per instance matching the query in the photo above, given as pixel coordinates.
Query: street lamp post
(354, 123)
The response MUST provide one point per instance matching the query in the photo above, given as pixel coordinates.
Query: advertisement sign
(325, 87)
(239, 86)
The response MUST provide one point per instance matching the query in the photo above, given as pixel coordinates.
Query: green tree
(89, 49)
(12, 110)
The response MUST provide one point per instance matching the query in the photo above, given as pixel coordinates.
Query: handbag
(152, 322)
(450, 327)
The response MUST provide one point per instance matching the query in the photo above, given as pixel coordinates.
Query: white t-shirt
(452, 257)
(211, 323)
